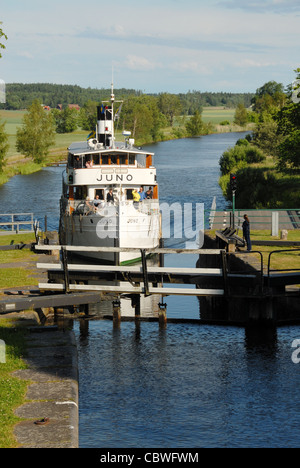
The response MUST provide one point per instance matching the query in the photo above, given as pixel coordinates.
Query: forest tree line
(20, 96)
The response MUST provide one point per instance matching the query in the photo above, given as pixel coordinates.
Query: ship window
(96, 158)
(132, 159)
(78, 193)
(123, 159)
(105, 159)
(141, 160)
(99, 192)
(114, 159)
(129, 195)
(88, 160)
(77, 162)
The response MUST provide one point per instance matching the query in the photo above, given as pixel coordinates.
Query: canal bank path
(50, 410)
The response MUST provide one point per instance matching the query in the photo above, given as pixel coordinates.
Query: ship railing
(89, 207)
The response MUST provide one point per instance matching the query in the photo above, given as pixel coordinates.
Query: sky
(154, 46)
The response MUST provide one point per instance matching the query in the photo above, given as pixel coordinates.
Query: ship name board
(114, 177)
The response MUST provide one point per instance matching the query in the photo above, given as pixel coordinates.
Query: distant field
(13, 120)
(216, 115)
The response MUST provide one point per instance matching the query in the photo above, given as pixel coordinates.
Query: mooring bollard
(116, 311)
(162, 314)
(136, 304)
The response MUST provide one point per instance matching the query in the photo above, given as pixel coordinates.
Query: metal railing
(259, 218)
(103, 208)
(260, 272)
(17, 222)
(281, 269)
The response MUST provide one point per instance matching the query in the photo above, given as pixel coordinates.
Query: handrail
(284, 269)
(261, 283)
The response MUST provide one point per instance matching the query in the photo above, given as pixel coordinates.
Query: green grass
(23, 255)
(293, 235)
(13, 119)
(12, 389)
(15, 276)
(25, 238)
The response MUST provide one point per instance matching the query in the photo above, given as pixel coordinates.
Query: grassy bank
(14, 271)
(16, 265)
(12, 389)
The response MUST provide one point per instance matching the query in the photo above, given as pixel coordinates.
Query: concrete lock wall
(243, 304)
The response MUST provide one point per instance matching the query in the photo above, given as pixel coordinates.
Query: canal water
(188, 385)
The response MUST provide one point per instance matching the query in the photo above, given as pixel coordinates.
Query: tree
(88, 116)
(137, 118)
(66, 120)
(241, 116)
(169, 105)
(295, 96)
(270, 97)
(288, 119)
(2, 46)
(37, 134)
(142, 117)
(266, 136)
(3, 145)
(194, 126)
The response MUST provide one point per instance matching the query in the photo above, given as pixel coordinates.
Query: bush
(242, 142)
(254, 155)
(242, 154)
(256, 188)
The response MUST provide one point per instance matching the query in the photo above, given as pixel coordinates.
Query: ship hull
(128, 226)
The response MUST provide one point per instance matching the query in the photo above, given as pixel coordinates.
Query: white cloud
(250, 63)
(25, 54)
(263, 6)
(134, 62)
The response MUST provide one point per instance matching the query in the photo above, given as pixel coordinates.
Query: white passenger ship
(99, 206)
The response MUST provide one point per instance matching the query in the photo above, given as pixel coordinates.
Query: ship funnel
(104, 125)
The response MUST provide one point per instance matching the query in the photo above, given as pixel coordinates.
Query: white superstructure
(99, 204)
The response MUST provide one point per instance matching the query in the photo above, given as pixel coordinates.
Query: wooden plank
(128, 289)
(131, 269)
(93, 287)
(136, 269)
(17, 303)
(15, 222)
(72, 248)
(186, 292)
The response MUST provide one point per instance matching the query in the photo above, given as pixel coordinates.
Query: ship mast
(112, 100)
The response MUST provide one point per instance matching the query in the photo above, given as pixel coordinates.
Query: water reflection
(261, 339)
(185, 386)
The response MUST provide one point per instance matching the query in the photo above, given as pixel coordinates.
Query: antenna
(112, 99)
